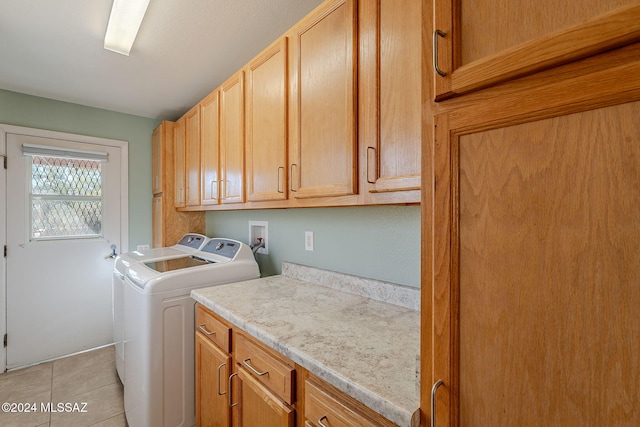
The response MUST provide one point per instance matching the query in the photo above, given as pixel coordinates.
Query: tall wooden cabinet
(168, 225)
(531, 254)
(323, 94)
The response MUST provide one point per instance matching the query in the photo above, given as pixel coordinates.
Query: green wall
(380, 242)
(41, 113)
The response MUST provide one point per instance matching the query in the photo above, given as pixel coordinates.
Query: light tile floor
(88, 378)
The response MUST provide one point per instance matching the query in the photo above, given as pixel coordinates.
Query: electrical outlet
(142, 247)
(308, 240)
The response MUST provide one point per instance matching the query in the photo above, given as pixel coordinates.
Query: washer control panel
(193, 241)
(223, 247)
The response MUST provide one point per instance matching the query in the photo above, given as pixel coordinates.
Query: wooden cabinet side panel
(549, 256)
(157, 154)
(157, 224)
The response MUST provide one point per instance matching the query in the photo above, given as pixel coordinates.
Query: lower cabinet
(258, 406)
(266, 384)
(212, 367)
(255, 386)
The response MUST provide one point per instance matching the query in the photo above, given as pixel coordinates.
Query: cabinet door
(179, 162)
(480, 43)
(259, 407)
(157, 154)
(390, 96)
(266, 124)
(323, 101)
(212, 370)
(536, 258)
(192, 161)
(210, 143)
(232, 139)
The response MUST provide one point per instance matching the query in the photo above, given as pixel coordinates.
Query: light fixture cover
(124, 23)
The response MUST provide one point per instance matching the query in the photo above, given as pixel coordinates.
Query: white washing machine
(189, 244)
(159, 386)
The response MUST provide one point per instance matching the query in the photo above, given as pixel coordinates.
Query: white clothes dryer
(189, 244)
(159, 386)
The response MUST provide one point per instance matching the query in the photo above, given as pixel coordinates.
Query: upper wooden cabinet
(323, 90)
(266, 124)
(209, 149)
(480, 43)
(192, 156)
(179, 162)
(390, 103)
(232, 139)
(331, 114)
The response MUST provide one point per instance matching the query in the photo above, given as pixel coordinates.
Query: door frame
(124, 202)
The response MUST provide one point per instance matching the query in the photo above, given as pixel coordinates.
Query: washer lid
(177, 263)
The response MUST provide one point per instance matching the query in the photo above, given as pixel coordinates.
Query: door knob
(113, 253)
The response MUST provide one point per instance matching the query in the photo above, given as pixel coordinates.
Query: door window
(65, 197)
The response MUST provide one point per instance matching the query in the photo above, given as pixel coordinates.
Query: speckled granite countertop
(365, 347)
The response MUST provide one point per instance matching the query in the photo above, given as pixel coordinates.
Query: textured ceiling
(184, 49)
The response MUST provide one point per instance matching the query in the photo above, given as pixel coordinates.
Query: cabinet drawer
(271, 370)
(212, 328)
(320, 404)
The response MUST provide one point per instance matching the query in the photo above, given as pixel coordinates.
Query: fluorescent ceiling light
(124, 23)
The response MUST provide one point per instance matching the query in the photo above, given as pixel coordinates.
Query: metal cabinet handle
(320, 423)
(436, 34)
(219, 392)
(291, 177)
(433, 401)
(369, 149)
(203, 329)
(214, 194)
(281, 168)
(231, 405)
(252, 369)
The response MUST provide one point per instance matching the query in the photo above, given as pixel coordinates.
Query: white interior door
(64, 209)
